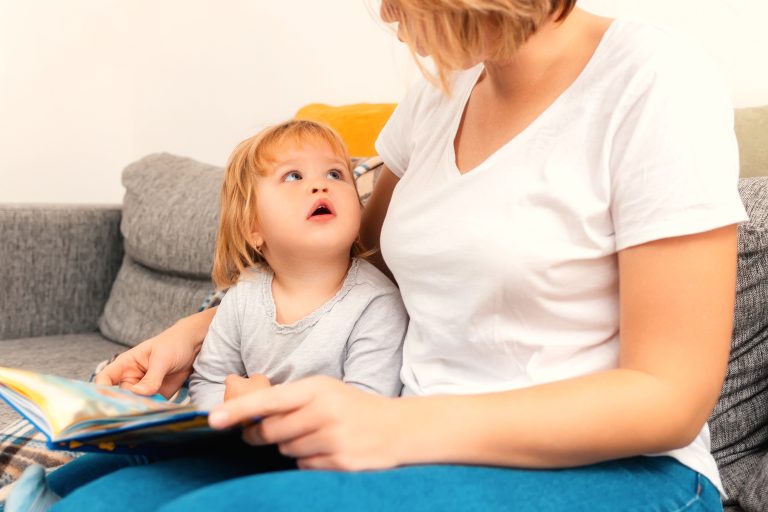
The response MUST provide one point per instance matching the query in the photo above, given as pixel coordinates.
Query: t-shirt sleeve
(220, 354)
(374, 350)
(395, 143)
(673, 158)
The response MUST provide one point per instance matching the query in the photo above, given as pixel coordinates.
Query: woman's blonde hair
(449, 31)
(252, 159)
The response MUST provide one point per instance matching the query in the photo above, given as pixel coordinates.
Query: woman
(559, 209)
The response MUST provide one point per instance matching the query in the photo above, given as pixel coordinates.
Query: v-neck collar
(531, 127)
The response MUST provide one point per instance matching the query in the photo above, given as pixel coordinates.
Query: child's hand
(236, 385)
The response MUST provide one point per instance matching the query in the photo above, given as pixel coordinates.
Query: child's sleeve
(219, 356)
(374, 350)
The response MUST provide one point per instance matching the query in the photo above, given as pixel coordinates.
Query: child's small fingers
(234, 380)
(258, 381)
(235, 385)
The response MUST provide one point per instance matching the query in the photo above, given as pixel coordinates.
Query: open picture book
(82, 416)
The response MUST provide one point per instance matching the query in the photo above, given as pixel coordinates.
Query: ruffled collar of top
(311, 319)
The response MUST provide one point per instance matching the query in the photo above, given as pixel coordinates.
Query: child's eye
(335, 174)
(292, 176)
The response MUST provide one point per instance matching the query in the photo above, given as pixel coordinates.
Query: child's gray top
(356, 337)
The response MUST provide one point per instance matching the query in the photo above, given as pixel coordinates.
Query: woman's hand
(235, 385)
(162, 363)
(153, 366)
(320, 421)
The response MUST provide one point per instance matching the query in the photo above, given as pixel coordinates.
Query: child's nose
(317, 189)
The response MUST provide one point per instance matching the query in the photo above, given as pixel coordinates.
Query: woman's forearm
(373, 218)
(326, 424)
(195, 327)
(603, 416)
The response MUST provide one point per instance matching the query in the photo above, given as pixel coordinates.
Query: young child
(299, 302)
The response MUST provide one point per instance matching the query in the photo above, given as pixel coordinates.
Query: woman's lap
(83, 470)
(138, 485)
(641, 483)
(228, 450)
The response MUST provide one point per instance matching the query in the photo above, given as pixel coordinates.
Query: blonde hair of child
(251, 160)
(450, 30)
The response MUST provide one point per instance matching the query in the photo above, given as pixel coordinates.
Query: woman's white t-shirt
(509, 272)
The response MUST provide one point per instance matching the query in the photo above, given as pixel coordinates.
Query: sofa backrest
(739, 423)
(170, 216)
(751, 126)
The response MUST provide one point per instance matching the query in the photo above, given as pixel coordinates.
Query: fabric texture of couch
(83, 283)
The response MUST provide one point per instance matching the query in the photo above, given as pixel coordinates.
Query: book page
(66, 403)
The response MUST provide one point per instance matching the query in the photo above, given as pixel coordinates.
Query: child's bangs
(298, 133)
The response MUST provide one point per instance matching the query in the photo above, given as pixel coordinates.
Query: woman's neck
(550, 53)
(300, 287)
(511, 94)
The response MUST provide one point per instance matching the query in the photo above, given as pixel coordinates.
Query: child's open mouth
(321, 210)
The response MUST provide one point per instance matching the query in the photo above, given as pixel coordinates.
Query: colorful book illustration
(82, 416)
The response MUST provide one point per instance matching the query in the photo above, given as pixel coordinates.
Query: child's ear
(256, 239)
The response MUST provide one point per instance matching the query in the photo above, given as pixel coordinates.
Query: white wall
(87, 86)
(732, 31)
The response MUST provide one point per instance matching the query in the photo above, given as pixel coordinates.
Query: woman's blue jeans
(240, 483)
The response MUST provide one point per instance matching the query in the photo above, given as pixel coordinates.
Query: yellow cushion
(359, 124)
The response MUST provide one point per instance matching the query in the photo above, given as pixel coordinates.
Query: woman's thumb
(152, 380)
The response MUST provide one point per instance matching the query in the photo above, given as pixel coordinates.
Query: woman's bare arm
(373, 216)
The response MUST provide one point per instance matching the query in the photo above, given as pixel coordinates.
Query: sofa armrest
(57, 265)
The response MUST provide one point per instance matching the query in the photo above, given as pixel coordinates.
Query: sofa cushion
(170, 214)
(751, 126)
(144, 302)
(170, 217)
(739, 423)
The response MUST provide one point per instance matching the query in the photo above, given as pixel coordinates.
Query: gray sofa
(81, 283)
